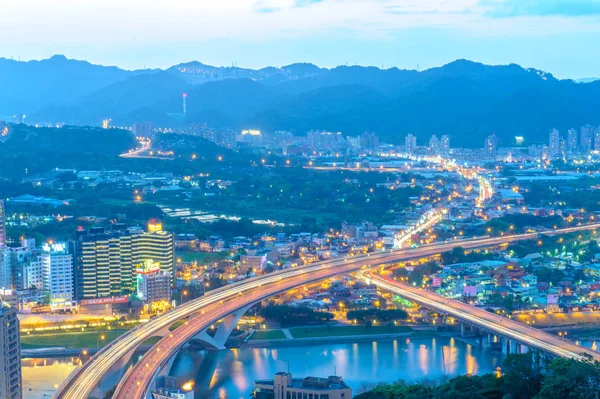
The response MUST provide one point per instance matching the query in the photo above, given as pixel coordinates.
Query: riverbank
(65, 343)
(338, 334)
(88, 343)
(68, 352)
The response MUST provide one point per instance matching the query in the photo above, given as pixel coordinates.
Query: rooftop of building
(312, 383)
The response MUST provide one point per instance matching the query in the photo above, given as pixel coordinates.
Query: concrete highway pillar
(490, 340)
(217, 342)
(228, 324)
(462, 329)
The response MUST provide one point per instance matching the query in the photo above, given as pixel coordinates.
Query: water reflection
(231, 373)
(234, 371)
(41, 377)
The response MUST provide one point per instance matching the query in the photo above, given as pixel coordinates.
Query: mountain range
(465, 99)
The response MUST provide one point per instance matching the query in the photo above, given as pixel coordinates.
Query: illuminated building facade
(153, 285)
(6, 280)
(586, 137)
(57, 275)
(10, 353)
(410, 144)
(445, 145)
(283, 386)
(572, 141)
(2, 225)
(6, 273)
(491, 144)
(106, 261)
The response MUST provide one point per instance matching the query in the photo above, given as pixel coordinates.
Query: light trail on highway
(83, 381)
(487, 320)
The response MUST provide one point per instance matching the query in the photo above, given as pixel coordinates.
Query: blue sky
(558, 36)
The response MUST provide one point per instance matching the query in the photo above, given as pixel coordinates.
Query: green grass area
(338, 331)
(201, 257)
(177, 324)
(75, 340)
(267, 334)
(151, 341)
(78, 340)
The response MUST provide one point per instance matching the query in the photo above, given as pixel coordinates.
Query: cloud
(146, 23)
(304, 3)
(268, 6)
(541, 8)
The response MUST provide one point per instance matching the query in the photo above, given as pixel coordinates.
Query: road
(146, 145)
(83, 380)
(490, 321)
(432, 217)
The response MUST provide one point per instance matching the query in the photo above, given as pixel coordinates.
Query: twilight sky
(558, 36)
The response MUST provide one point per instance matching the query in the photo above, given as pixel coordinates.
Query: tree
(523, 377)
(569, 378)
(288, 315)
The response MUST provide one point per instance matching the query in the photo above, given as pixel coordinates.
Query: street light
(183, 293)
(98, 339)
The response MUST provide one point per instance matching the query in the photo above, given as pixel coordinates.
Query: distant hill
(68, 140)
(465, 99)
(28, 149)
(586, 80)
(35, 85)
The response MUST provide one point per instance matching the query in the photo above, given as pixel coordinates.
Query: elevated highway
(489, 321)
(201, 313)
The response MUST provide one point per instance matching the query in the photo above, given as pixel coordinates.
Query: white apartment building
(57, 275)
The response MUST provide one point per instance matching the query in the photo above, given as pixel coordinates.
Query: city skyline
(300, 199)
(406, 34)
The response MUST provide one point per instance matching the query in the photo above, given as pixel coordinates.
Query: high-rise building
(353, 141)
(280, 139)
(57, 275)
(597, 139)
(586, 138)
(23, 259)
(572, 141)
(156, 245)
(554, 142)
(10, 353)
(434, 145)
(152, 284)
(410, 144)
(6, 274)
(252, 137)
(369, 140)
(491, 144)
(322, 140)
(562, 148)
(31, 273)
(145, 129)
(105, 261)
(102, 264)
(445, 145)
(544, 153)
(2, 225)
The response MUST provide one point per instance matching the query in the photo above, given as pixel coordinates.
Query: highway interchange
(218, 303)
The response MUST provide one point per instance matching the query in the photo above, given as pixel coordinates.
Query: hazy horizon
(382, 67)
(558, 36)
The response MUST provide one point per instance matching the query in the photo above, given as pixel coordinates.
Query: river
(231, 373)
